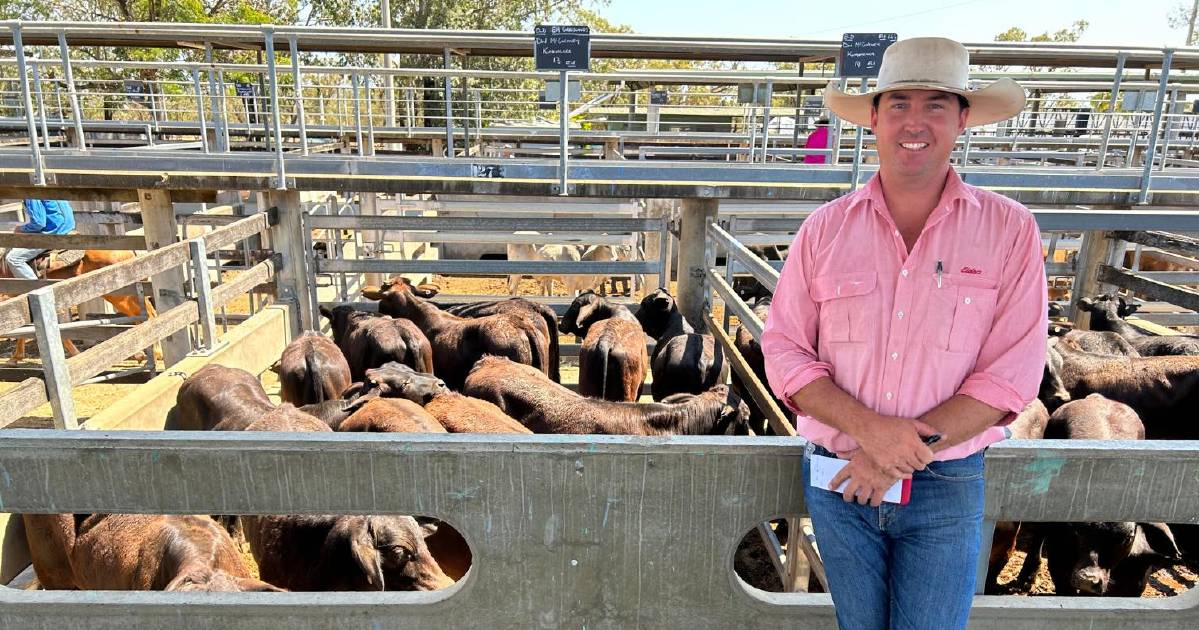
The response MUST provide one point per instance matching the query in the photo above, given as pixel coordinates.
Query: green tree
(1183, 17)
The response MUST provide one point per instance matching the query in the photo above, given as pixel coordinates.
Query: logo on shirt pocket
(845, 305)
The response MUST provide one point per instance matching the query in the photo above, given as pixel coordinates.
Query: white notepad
(825, 468)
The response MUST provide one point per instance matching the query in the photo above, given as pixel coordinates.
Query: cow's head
(391, 552)
(581, 314)
(1116, 558)
(396, 380)
(656, 311)
(400, 283)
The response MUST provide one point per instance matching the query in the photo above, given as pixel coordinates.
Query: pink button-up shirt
(965, 312)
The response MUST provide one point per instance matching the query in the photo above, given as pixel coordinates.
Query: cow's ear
(586, 313)
(1086, 304)
(1158, 539)
(426, 290)
(274, 367)
(373, 293)
(326, 312)
(362, 548)
(428, 526)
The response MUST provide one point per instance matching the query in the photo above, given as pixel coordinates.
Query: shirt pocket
(845, 305)
(962, 312)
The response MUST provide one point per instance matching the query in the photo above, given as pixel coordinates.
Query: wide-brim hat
(930, 63)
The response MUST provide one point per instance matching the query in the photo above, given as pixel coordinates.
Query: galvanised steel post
(563, 131)
(200, 111)
(222, 111)
(39, 176)
(449, 107)
(275, 118)
(41, 104)
(370, 114)
(216, 103)
(299, 87)
(1158, 107)
(835, 122)
(856, 169)
(357, 113)
(766, 120)
(1111, 110)
(74, 98)
(1169, 126)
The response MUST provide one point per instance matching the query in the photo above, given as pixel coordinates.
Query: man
(912, 308)
(45, 217)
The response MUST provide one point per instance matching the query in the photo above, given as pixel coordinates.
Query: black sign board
(244, 89)
(562, 47)
(657, 97)
(862, 53)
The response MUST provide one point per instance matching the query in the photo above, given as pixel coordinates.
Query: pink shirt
(852, 304)
(816, 140)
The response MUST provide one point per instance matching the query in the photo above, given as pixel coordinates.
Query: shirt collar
(955, 190)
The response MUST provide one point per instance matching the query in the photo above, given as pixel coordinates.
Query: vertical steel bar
(1146, 174)
(357, 113)
(370, 114)
(835, 140)
(1101, 160)
(663, 255)
(766, 120)
(728, 273)
(200, 111)
(41, 104)
(39, 175)
(44, 312)
(563, 131)
(449, 107)
(984, 557)
(214, 102)
(74, 98)
(858, 138)
(966, 147)
(341, 110)
(409, 106)
(202, 289)
(310, 271)
(299, 88)
(1169, 127)
(753, 125)
(151, 361)
(276, 119)
(466, 107)
(223, 111)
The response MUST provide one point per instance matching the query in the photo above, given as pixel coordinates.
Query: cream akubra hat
(930, 63)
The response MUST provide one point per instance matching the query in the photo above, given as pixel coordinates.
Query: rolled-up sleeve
(1011, 360)
(790, 337)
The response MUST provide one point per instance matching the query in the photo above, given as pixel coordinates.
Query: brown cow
(517, 306)
(286, 418)
(613, 359)
(391, 415)
(312, 370)
(369, 340)
(218, 398)
(51, 538)
(547, 407)
(684, 361)
(457, 341)
(455, 412)
(140, 552)
(344, 553)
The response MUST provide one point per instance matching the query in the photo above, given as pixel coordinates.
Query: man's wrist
(863, 425)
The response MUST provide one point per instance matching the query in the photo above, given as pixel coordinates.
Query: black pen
(940, 268)
(929, 440)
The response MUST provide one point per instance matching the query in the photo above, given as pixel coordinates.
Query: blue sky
(1141, 22)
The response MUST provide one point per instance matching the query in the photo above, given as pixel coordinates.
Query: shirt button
(889, 396)
(899, 314)
(904, 273)
(894, 356)
(896, 232)
(967, 300)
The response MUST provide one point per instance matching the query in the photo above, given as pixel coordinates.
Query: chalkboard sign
(562, 47)
(244, 89)
(862, 53)
(657, 97)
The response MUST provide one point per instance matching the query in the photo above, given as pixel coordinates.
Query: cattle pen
(565, 531)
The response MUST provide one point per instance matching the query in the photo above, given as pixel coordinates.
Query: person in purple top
(45, 216)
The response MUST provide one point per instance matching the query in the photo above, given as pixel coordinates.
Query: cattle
(683, 361)
(457, 341)
(312, 370)
(1029, 424)
(455, 412)
(547, 407)
(51, 537)
(369, 340)
(344, 553)
(1108, 313)
(517, 306)
(612, 359)
(286, 418)
(1164, 391)
(1102, 342)
(751, 351)
(576, 284)
(1103, 558)
(391, 415)
(218, 398)
(559, 253)
(334, 412)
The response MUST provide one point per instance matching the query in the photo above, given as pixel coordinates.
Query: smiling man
(907, 327)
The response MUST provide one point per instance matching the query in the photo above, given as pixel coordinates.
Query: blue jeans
(18, 259)
(903, 566)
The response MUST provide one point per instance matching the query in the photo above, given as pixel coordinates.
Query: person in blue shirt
(46, 216)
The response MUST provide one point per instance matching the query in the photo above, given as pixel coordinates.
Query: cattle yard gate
(579, 531)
